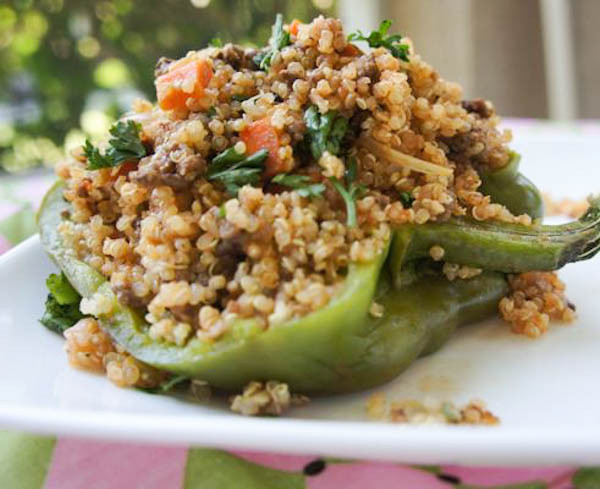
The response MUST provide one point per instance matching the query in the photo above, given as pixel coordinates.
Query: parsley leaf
(407, 199)
(350, 192)
(324, 132)
(379, 38)
(59, 318)
(279, 40)
(348, 200)
(124, 145)
(224, 160)
(301, 184)
(95, 159)
(234, 170)
(62, 304)
(216, 42)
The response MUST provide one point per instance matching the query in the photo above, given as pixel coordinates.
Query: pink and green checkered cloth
(31, 462)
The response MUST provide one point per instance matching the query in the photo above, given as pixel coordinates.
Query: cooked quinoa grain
(436, 252)
(452, 271)
(376, 310)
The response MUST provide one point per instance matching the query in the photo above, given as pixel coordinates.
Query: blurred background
(68, 68)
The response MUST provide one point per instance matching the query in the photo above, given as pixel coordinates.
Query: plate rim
(472, 445)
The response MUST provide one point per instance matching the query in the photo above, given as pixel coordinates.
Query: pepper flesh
(509, 187)
(339, 348)
(495, 246)
(417, 321)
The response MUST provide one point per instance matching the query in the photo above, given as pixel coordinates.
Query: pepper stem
(502, 247)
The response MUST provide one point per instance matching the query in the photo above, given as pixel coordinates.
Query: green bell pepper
(340, 348)
(495, 246)
(498, 246)
(418, 320)
(507, 186)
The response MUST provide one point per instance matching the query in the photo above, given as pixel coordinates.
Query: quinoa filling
(322, 149)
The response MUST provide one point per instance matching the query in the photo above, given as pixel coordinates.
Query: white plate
(545, 391)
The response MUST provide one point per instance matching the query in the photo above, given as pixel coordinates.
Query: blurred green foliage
(68, 68)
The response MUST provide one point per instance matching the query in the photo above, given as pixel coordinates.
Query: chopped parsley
(234, 170)
(279, 40)
(216, 42)
(350, 192)
(324, 132)
(58, 317)
(124, 145)
(379, 38)
(407, 199)
(300, 183)
(62, 304)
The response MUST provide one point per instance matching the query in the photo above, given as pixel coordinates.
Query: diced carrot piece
(351, 50)
(185, 79)
(294, 27)
(261, 135)
(123, 169)
(87, 185)
(127, 167)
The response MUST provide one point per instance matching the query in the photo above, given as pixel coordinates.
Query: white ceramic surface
(545, 391)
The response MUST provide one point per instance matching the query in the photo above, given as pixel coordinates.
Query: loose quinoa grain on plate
(310, 217)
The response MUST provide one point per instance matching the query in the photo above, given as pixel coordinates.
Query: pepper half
(339, 348)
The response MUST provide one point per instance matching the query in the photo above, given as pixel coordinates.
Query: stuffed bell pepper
(312, 215)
